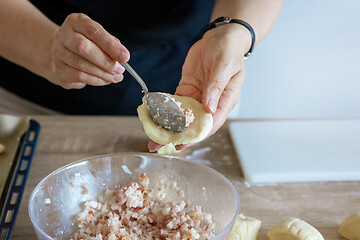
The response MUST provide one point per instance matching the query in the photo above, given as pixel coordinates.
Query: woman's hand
(214, 71)
(84, 53)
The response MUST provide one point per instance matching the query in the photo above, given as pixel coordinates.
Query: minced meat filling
(132, 213)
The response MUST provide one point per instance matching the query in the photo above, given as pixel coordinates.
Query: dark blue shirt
(157, 33)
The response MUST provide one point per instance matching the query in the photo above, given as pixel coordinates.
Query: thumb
(219, 77)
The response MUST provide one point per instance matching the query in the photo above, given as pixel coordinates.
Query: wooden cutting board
(298, 151)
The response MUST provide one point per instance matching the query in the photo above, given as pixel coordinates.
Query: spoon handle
(136, 76)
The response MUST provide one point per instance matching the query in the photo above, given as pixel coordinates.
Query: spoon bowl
(162, 108)
(165, 111)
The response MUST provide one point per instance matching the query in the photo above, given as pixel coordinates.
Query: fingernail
(122, 55)
(212, 105)
(119, 68)
(116, 39)
(118, 78)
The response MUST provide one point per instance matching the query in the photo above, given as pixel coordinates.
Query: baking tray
(19, 136)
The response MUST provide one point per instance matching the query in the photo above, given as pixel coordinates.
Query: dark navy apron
(157, 33)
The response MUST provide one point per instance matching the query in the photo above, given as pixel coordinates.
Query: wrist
(45, 63)
(232, 32)
(239, 29)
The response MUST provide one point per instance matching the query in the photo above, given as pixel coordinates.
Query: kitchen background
(308, 66)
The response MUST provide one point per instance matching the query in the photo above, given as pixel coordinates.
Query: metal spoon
(162, 109)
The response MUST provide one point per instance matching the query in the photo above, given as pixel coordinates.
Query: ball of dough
(196, 132)
(245, 228)
(350, 227)
(2, 148)
(294, 229)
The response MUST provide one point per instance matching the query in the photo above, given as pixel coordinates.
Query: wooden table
(65, 139)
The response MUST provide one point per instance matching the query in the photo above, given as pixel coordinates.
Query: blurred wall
(308, 66)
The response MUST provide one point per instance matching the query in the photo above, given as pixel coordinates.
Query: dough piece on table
(245, 228)
(196, 132)
(2, 148)
(350, 227)
(294, 229)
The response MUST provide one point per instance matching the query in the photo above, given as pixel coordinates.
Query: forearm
(260, 14)
(26, 36)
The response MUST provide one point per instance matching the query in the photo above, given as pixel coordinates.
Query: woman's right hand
(84, 53)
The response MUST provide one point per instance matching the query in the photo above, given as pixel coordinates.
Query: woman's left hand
(214, 71)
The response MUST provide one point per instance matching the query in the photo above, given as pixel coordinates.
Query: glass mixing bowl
(59, 197)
